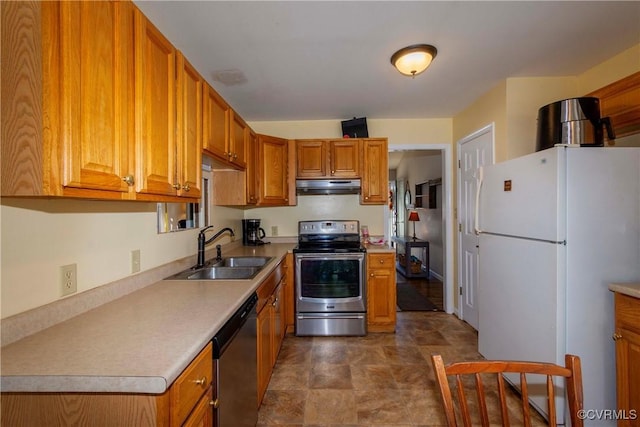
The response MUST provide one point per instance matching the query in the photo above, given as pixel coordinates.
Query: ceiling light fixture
(413, 60)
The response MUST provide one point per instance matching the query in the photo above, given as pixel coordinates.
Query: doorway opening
(420, 199)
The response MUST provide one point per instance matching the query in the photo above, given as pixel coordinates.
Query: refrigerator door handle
(476, 219)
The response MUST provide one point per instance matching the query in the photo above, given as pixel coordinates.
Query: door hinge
(458, 164)
(460, 227)
(460, 290)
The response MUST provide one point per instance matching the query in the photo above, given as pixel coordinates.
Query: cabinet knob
(215, 403)
(129, 180)
(366, 197)
(616, 336)
(235, 156)
(201, 381)
(275, 301)
(371, 274)
(227, 154)
(177, 186)
(186, 187)
(381, 261)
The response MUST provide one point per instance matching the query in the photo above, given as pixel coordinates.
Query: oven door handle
(330, 315)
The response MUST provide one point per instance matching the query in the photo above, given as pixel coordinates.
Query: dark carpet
(409, 299)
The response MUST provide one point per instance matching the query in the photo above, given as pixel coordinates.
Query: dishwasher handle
(225, 335)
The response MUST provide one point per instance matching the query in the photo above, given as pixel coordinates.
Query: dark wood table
(409, 243)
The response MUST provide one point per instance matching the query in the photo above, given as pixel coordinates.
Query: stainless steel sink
(244, 261)
(231, 268)
(222, 273)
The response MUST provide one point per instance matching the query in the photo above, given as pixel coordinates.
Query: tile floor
(377, 380)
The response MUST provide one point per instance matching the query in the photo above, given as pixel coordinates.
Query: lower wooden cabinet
(381, 292)
(270, 324)
(627, 339)
(189, 401)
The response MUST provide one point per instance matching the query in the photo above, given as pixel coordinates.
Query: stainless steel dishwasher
(237, 379)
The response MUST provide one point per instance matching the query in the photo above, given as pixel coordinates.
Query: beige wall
(398, 131)
(40, 235)
(525, 96)
(621, 65)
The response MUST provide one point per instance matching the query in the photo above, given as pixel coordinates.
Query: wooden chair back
(571, 373)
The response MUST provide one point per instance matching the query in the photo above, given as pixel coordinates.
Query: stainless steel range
(330, 281)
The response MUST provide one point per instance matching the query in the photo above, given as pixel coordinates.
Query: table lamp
(413, 217)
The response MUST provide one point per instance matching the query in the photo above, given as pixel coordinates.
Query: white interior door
(474, 151)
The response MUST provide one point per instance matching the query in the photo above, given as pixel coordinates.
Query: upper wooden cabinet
(620, 101)
(251, 170)
(328, 158)
(238, 141)
(90, 96)
(272, 161)
(217, 117)
(375, 172)
(189, 128)
(168, 151)
(155, 68)
(226, 134)
(67, 99)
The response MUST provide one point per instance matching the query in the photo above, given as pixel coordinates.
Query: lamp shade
(413, 216)
(413, 60)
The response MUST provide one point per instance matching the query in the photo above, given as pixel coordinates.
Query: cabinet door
(375, 173)
(278, 320)
(155, 94)
(272, 163)
(96, 55)
(189, 126)
(311, 158)
(344, 158)
(217, 115)
(239, 137)
(251, 170)
(628, 372)
(264, 326)
(381, 292)
(203, 413)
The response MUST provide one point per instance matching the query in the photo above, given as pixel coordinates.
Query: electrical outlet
(68, 279)
(135, 261)
(274, 230)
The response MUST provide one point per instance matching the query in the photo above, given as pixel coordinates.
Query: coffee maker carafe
(252, 234)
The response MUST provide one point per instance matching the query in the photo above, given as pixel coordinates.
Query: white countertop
(139, 343)
(630, 289)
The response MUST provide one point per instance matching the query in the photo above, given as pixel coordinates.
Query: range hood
(327, 186)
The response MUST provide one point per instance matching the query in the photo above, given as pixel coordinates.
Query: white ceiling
(330, 59)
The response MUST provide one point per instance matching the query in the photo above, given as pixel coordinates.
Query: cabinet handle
(215, 403)
(177, 186)
(186, 187)
(201, 381)
(129, 180)
(616, 336)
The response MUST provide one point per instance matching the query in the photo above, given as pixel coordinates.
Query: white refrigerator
(556, 227)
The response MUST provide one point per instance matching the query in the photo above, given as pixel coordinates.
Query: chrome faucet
(202, 242)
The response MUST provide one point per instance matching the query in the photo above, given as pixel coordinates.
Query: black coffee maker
(252, 234)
